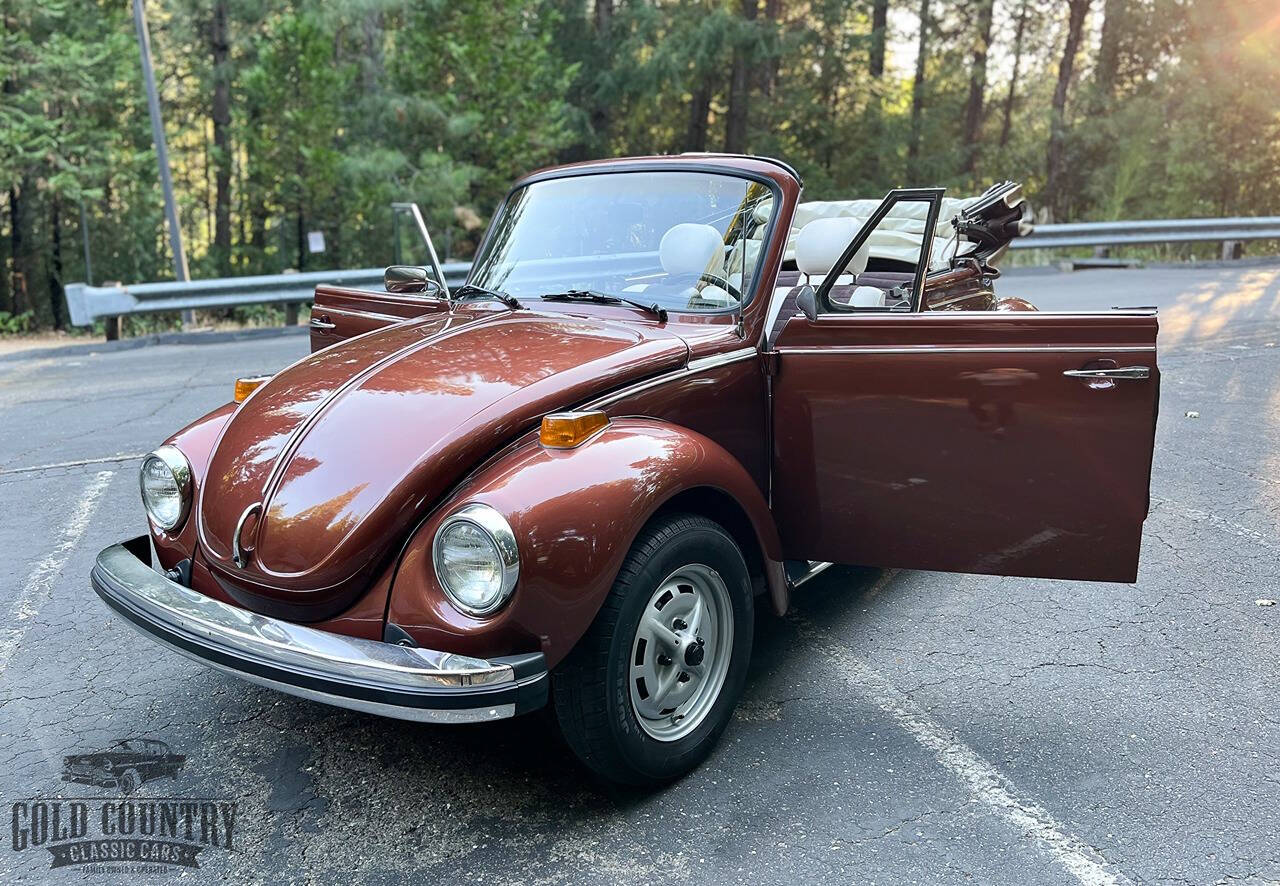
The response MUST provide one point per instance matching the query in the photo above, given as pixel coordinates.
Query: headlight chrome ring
(507, 556)
(180, 470)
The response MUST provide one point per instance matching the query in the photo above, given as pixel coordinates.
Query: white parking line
(107, 459)
(1199, 516)
(984, 782)
(41, 578)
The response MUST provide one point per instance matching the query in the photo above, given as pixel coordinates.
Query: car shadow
(519, 768)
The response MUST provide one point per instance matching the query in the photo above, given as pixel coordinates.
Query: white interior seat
(690, 248)
(820, 243)
(866, 297)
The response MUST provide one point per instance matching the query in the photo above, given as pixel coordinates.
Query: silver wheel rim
(680, 653)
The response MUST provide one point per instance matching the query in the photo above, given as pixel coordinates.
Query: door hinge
(772, 363)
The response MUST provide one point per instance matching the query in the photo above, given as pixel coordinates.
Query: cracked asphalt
(899, 727)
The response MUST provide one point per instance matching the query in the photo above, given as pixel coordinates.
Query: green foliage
(15, 324)
(341, 107)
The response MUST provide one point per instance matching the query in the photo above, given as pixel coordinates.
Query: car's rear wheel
(647, 692)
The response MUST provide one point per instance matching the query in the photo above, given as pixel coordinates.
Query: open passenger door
(338, 313)
(1005, 443)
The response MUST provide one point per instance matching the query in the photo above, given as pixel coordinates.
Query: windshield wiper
(506, 298)
(602, 298)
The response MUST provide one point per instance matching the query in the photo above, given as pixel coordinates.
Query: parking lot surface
(897, 727)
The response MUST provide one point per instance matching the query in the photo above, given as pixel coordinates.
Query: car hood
(344, 451)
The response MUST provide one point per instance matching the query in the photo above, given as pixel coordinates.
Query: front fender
(575, 514)
(196, 442)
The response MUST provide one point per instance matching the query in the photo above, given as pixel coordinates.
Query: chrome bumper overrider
(351, 672)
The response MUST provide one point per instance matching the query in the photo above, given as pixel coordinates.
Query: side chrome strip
(975, 349)
(720, 359)
(1109, 312)
(702, 364)
(815, 570)
(610, 399)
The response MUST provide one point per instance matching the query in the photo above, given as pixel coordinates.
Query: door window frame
(932, 196)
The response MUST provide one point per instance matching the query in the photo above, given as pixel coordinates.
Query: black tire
(129, 782)
(590, 687)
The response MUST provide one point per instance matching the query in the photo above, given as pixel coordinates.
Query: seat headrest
(690, 248)
(820, 242)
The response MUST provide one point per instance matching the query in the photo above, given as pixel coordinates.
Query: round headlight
(476, 559)
(166, 487)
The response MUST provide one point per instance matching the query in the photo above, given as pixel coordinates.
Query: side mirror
(807, 302)
(408, 278)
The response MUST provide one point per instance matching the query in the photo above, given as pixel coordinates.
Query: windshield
(685, 241)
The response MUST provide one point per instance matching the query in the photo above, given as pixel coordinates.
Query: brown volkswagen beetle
(668, 391)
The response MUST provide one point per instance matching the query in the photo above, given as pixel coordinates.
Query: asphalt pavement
(898, 727)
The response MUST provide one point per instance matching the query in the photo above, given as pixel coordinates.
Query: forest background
(284, 118)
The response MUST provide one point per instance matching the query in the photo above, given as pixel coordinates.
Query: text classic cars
(668, 391)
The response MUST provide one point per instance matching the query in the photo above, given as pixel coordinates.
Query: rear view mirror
(807, 303)
(408, 278)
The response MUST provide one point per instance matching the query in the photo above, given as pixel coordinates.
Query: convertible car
(667, 394)
(126, 765)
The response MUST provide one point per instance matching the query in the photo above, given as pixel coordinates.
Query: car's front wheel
(129, 782)
(647, 692)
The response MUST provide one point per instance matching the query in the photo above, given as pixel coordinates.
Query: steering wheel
(722, 282)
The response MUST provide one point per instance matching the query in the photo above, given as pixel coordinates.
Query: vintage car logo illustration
(124, 834)
(125, 766)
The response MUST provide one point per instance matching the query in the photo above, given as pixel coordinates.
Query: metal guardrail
(1138, 233)
(85, 303)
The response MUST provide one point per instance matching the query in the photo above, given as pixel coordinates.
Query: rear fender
(575, 514)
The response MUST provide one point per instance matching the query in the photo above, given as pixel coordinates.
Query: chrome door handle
(321, 324)
(1134, 372)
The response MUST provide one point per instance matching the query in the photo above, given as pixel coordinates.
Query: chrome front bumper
(367, 675)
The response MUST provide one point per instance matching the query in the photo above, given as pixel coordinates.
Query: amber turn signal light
(565, 430)
(246, 386)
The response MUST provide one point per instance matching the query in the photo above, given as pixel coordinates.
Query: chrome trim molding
(408, 683)
(638, 388)
(1022, 315)
(180, 468)
(422, 715)
(494, 525)
(701, 364)
(975, 349)
(815, 570)
(724, 359)
(305, 424)
(239, 555)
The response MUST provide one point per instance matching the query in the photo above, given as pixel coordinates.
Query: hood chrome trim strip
(295, 436)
